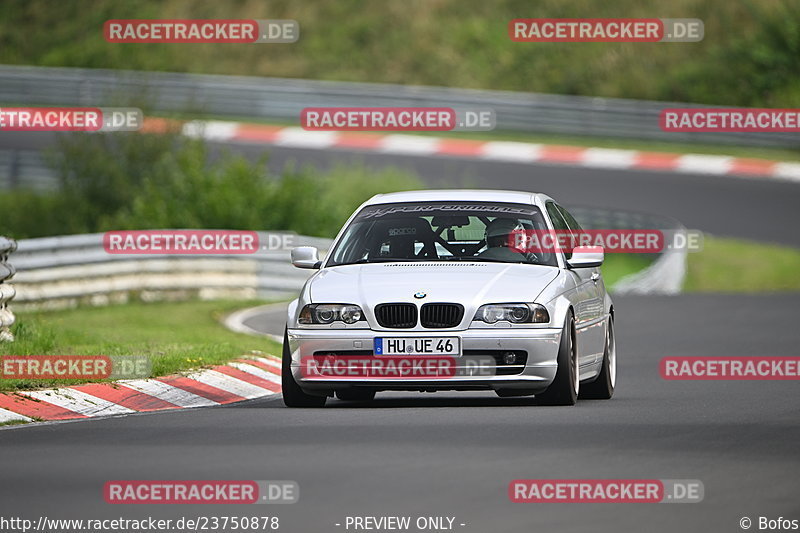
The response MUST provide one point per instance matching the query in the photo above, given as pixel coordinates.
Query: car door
(593, 308)
(584, 293)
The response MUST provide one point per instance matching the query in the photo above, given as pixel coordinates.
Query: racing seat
(399, 239)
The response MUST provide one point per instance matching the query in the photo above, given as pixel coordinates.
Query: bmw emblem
(419, 295)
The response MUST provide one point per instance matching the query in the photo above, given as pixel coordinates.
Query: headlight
(514, 313)
(329, 313)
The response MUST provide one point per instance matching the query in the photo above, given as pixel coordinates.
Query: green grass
(731, 265)
(617, 266)
(176, 336)
(13, 423)
(749, 55)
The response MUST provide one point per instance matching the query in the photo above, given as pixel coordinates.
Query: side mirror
(586, 257)
(306, 257)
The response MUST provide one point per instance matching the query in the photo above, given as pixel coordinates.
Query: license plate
(418, 346)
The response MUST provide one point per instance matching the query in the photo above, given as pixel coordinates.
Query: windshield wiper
(487, 260)
(492, 260)
(367, 260)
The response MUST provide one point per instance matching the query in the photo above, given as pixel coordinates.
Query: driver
(500, 235)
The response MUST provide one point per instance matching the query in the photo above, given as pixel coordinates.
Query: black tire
(356, 394)
(293, 395)
(603, 387)
(564, 389)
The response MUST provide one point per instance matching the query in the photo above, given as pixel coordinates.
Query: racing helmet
(500, 232)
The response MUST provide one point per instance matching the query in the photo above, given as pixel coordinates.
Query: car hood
(470, 284)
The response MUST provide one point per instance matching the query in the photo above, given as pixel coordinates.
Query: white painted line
(8, 416)
(236, 320)
(511, 151)
(230, 384)
(168, 393)
(212, 130)
(306, 139)
(789, 171)
(607, 158)
(79, 402)
(256, 371)
(409, 144)
(275, 363)
(704, 164)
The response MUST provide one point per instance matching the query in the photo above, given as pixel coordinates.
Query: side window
(559, 224)
(571, 222)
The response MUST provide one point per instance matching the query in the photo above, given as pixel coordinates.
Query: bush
(749, 55)
(25, 214)
(134, 181)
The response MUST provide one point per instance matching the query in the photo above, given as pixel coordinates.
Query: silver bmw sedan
(445, 290)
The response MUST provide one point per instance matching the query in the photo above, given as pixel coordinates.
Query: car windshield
(440, 231)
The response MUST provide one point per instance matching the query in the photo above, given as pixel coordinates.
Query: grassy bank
(175, 336)
(732, 265)
(617, 266)
(749, 55)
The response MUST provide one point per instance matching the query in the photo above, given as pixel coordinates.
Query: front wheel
(603, 387)
(565, 387)
(293, 395)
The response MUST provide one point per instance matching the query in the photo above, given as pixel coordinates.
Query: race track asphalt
(454, 454)
(751, 208)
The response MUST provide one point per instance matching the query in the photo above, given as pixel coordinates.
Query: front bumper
(540, 345)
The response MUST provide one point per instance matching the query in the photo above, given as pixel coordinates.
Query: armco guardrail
(283, 99)
(60, 272)
(7, 292)
(28, 168)
(665, 274)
